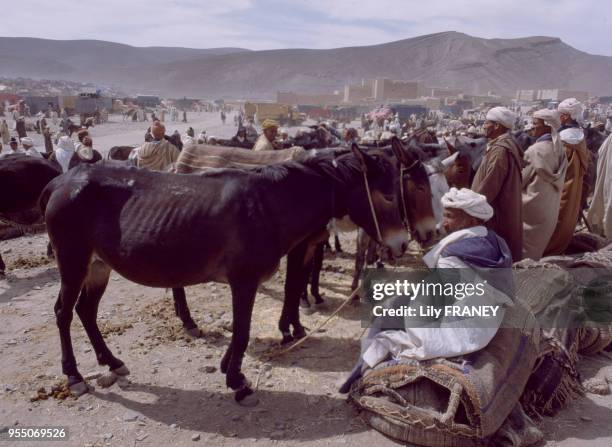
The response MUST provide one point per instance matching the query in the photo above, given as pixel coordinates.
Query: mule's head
(414, 193)
(465, 155)
(375, 206)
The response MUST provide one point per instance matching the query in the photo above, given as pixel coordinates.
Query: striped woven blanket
(201, 157)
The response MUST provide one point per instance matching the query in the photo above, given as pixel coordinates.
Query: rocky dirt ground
(176, 393)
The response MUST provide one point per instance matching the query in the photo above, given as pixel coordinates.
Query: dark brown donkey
(227, 225)
(22, 178)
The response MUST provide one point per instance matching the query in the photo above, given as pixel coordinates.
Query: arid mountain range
(449, 59)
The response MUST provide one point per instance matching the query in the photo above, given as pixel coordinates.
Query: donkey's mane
(342, 169)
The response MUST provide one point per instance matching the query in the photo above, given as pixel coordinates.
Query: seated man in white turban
(471, 247)
(543, 178)
(498, 178)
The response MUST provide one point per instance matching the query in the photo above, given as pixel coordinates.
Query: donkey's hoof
(287, 338)
(107, 379)
(121, 371)
(194, 332)
(79, 388)
(246, 397)
(299, 333)
(249, 401)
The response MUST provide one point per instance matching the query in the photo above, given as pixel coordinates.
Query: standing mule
(413, 188)
(227, 225)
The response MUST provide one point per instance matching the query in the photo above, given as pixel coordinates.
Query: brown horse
(228, 225)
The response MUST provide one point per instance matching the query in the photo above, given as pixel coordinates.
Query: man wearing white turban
(63, 153)
(570, 113)
(543, 179)
(465, 214)
(477, 252)
(28, 147)
(498, 178)
(577, 154)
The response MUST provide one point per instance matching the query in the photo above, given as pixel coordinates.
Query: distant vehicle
(89, 105)
(282, 113)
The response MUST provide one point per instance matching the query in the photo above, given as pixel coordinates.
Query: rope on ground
(327, 320)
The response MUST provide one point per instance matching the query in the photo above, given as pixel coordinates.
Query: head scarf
(503, 116)
(64, 152)
(468, 201)
(573, 135)
(551, 119)
(27, 141)
(269, 124)
(571, 106)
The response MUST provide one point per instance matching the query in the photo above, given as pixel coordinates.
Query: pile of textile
(570, 296)
(200, 157)
(529, 369)
(457, 401)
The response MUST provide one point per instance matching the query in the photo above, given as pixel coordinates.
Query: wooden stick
(299, 342)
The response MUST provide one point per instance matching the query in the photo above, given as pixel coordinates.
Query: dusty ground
(177, 393)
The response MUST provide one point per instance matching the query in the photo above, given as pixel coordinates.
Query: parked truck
(282, 113)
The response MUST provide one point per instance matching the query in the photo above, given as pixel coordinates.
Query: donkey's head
(415, 192)
(375, 204)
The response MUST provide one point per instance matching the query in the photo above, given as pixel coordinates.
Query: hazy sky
(271, 24)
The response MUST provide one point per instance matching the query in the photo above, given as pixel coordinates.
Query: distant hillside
(448, 59)
(80, 60)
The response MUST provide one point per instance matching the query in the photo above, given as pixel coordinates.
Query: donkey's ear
(451, 148)
(361, 156)
(398, 150)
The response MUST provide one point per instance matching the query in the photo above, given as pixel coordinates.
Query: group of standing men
(536, 196)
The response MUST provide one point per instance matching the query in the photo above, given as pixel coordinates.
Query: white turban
(469, 201)
(550, 117)
(571, 106)
(572, 135)
(502, 115)
(27, 141)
